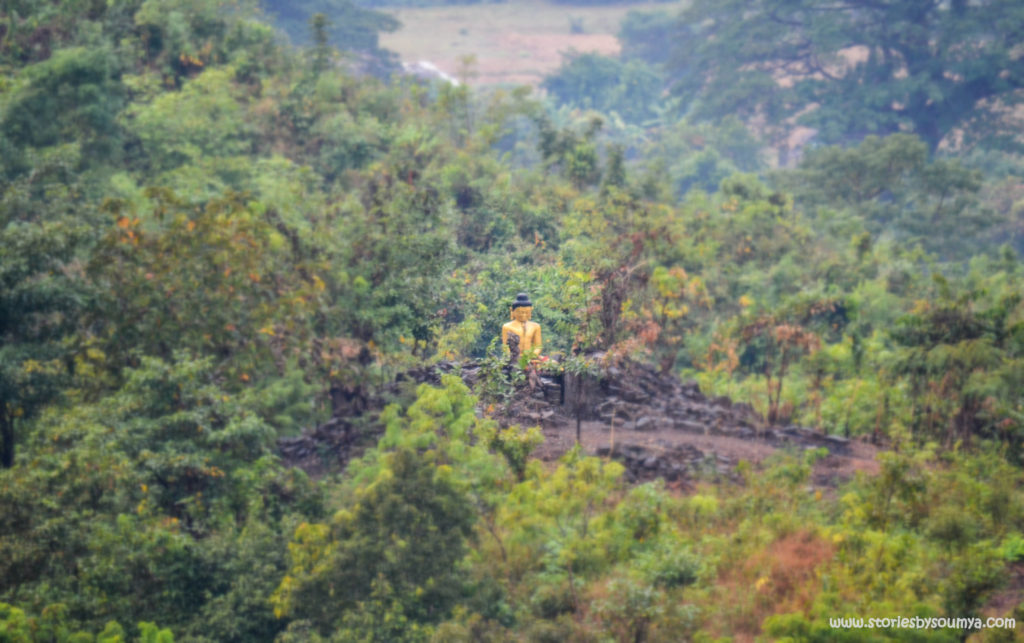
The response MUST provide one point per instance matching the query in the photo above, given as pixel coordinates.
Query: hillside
(657, 427)
(251, 380)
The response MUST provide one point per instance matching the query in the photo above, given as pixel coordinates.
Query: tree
(40, 293)
(393, 553)
(201, 122)
(202, 279)
(591, 81)
(772, 345)
(898, 190)
(348, 27)
(318, 24)
(699, 156)
(33, 30)
(869, 67)
(180, 38)
(643, 35)
(955, 357)
(71, 96)
(566, 519)
(389, 277)
(161, 501)
(387, 563)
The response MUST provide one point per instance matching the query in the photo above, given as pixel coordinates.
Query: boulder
(645, 423)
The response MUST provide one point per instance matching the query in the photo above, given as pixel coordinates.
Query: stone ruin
(664, 428)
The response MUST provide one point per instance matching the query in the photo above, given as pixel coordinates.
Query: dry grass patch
(515, 43)
(779, 579)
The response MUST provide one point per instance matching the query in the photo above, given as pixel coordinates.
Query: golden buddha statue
(527, 331)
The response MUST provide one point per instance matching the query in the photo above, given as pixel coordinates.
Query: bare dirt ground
(718, 452)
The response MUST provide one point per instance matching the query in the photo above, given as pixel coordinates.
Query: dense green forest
(211, 239)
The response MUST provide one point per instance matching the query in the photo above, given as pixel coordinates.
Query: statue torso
(528, 333)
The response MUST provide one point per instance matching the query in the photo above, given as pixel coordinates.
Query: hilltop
(657, 426)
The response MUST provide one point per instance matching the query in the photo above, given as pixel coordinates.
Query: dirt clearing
(515, 43)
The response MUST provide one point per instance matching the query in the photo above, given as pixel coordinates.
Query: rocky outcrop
(326, 447)
(655, 424)
(660, 427)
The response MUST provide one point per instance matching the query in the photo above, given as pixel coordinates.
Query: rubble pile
(653, 417)
(334, 441)
(640, 399)
(673, 463)
(654, 424)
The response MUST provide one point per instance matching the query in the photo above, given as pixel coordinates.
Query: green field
(516, 42)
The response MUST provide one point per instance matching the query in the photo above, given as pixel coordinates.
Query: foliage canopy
(853, 68)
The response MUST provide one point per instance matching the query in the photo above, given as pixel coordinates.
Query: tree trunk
(582, 394)
(6, 440)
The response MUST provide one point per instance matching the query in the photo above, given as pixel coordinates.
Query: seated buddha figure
(527, 331)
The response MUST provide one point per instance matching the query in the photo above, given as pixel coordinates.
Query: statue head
(522, 308)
